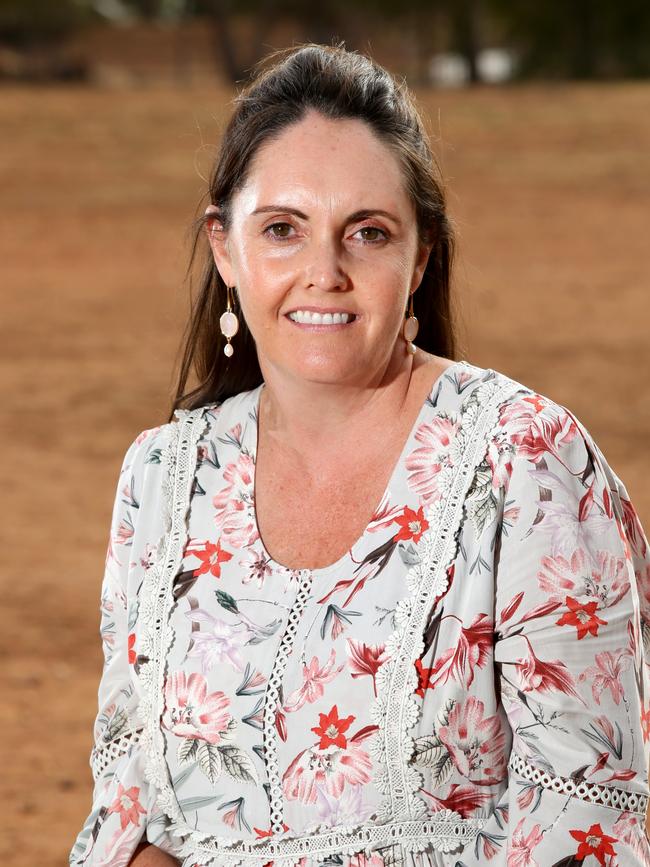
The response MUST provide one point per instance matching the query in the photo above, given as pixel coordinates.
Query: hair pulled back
(339, 84)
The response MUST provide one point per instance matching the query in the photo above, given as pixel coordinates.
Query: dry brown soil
(550, 190)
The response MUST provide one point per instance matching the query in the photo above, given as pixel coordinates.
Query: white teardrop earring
(229, 324)
(410, 328)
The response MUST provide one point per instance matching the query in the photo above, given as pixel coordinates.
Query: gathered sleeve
(572, 573)
(122, 799)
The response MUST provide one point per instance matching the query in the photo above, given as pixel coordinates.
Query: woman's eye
(372, 240)
(284, 227)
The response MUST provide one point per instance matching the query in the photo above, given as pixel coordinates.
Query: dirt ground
(550, 190)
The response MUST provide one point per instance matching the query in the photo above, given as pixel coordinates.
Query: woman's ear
(218, 240)
(424, 251)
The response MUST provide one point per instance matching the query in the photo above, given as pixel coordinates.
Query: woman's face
(323, 225)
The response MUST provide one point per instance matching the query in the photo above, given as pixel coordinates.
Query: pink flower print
(609, 579)
(330, 770)
(124, 532)
(348, 809)
(547, 435)
(127, 805)
(190, 712)
(499, 459)
(558, 575)
(425, 462)
(630, 830)
(146, 434)
(516, 417)
(256, 566)
(540, 676)
(362, 860)
(606, 674)
(220, 643)
(235, 503)
(520, 848)
(315, 677)
(567, 528)
(633, 530)
(365, 659)
(475, 743)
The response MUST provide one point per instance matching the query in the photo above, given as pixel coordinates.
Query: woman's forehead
(319, 162)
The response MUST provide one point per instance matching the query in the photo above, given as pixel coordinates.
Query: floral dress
(469, 684)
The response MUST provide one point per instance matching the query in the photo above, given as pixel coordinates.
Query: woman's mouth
(312, 317)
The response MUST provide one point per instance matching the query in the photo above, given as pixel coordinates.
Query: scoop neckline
(322, 570)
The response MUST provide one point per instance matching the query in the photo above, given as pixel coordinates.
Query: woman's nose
(324, 268)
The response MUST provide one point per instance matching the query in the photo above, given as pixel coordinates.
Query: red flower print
(583, 617)
(365, 659)
(331, 729)
(471, 650)
(594, 842)
(212, 556)
(464, 800)
(645, 723)
(540, 676)
(475, 742)
(127, 805)
(424, 675)
(412, 525)
(131, 646)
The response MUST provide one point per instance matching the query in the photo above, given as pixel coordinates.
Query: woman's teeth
(309, 317)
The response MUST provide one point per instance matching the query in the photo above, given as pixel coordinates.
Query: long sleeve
(571, 606)
(121, 796)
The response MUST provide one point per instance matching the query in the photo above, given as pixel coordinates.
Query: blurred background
(111, 113)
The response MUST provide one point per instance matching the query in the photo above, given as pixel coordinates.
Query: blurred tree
(583, 39)
(34, 23)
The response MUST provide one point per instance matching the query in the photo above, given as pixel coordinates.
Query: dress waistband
(445, 832)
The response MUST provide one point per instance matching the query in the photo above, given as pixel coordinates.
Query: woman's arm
(574, 681)
(122, 797)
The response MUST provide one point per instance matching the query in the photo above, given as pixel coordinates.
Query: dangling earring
(229, 324)
(410, 328)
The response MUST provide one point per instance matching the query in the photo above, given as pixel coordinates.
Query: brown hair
(339, 84)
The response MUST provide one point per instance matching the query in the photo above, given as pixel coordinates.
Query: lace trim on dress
(595, 793)
(396, 710)
(178, 459)
(441, 831)
(271, 703)
(103, 754)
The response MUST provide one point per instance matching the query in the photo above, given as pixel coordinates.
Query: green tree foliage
(580, 39)
(24, 23)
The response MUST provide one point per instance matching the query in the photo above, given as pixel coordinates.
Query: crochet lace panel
(272, 698)
(595, 793)
(104, 753)
(442, 832)
(395, 710)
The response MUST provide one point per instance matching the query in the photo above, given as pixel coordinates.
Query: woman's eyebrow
(357, 215)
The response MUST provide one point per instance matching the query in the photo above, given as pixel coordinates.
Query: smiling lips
(312, 317)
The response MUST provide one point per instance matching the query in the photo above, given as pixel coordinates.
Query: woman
(364, 603)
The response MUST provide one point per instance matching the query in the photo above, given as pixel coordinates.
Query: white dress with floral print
(469, 684)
